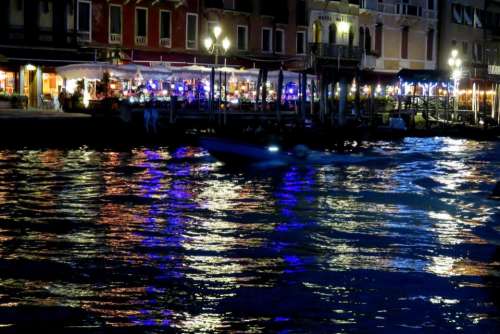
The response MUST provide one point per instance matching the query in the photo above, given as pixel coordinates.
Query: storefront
(7, 82)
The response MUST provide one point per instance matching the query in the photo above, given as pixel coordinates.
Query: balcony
(165, 42)
(368, 61)
(324, 50)
(115, 38)
(83, 37)
(140, 40)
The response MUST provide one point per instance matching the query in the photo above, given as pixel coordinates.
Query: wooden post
(427, 111)
(342, 100)
(304, 96)
(357, 98)
(372, 104)
(225, 98)
(322, 98)
(332, 108)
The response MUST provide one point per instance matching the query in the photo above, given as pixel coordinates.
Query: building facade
(472, 28)
(37, 35)
(263, 33)
(43, 34)
(399, 34)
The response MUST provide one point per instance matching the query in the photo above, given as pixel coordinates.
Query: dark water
(169, 238)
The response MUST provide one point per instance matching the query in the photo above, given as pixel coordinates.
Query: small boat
(270, 156)
(243, 153)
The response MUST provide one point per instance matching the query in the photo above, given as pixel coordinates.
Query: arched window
(361, 37)
(351, 36)
(332, 34)
(317, 33)
(368, 40)
(430, 45)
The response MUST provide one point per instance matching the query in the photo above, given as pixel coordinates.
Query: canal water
(168, 238)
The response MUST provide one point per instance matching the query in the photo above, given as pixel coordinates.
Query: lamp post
(216, 45)
(455, 64)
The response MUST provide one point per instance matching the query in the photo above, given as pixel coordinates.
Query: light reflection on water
(171, 238)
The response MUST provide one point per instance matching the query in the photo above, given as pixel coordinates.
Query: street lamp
(455, 64)
(216, 46)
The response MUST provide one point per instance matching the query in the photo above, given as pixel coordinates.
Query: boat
(240, 153)
(235, 152)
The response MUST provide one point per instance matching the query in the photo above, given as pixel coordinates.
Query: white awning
(95, 71)
(92, 71)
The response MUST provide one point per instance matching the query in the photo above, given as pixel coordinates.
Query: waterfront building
(263, 33)
(472, 28)
(334, 55)
(36, 36)
(398, 35)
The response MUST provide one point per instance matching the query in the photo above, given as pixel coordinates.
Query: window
(465, 48)
(368, 40)
(468, 16)
(301, 13)
(165, 28)
(45, 6)
(332, 34)
(84, 19)
(280, 41)
(19, 5)
(115, 24)
(430, 4)
(191, 31)
(478, 18)
(430, 45)
(210, 27)
(456, 13)
(361, 37)
(404, 43)
(301, 42)
(71, 8)
(378, 38)
(242, 35)
(351, 36)
(267, 40)
(141, 26)
(45, 18)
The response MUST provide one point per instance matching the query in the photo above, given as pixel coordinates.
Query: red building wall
(100, 24)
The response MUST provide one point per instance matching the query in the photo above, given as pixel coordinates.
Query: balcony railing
(165, 42)
(368, 61)
(83, 37)
(140, 40)
(324, 50)
(115, 38)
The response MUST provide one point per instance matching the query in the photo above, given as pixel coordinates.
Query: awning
(133, 71)
(92, 71)
(95, 71)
